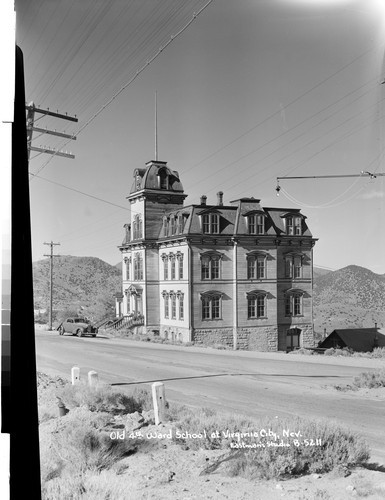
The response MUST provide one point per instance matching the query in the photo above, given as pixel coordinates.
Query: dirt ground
(163, 470)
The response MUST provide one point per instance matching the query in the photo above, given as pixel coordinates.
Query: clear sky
(252, 90)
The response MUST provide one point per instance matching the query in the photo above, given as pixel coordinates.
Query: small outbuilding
(358, 339)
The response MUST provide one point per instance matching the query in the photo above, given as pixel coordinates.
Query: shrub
(345, 351)
(378, 352)
(104, 398)
(370, 380)
(260, 460)
(303, 351)
(78, 445)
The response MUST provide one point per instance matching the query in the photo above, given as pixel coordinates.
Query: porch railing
(126, 322)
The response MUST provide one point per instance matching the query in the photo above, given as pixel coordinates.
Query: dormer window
(210, 223)
(165, 226)
(256, 224)
(172, 225)
(180, 220)
(293, 225)
(163, 179)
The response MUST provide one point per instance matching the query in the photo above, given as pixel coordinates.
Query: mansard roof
(149, 178)
(233, 218)
(277, 216)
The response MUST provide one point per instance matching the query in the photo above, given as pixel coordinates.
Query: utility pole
(31, 110)
(51, 256)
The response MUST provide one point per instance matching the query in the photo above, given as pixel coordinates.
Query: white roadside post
(159, 402)
(93, 378)
(75, 375)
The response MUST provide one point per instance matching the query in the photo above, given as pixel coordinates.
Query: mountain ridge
(349, 297)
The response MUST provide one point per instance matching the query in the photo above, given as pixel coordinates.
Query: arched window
(179, 257)
(138, 267)
(165, 299)
(211, 266)
(127, 266)
(137, 227)
(173, 305)
(293, 265)
(256, 265)
(165, 266)
(293, 338)
(173, 266)
(172, 225)
(256, 304)
(294, 303)
(180, 296)
(211, 305)
(163, 179)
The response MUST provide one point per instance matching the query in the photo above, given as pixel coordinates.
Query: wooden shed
(358, 339)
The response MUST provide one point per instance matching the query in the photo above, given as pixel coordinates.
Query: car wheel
(94, 334)
(79, 333)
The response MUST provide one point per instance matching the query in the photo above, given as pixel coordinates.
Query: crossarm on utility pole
(335, 176)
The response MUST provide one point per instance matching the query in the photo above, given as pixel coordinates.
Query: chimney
(220, 198)
(375, 325)
(203, 199)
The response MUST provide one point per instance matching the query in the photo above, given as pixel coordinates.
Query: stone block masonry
(214, 336)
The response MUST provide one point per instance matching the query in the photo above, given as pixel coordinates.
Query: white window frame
(210, 223)
(166, 308)
(294, 266)
(256, 224)
(293, 300)
(256, 297)
(253, 266)
(211, 308)
(138, 267)
(213, 268)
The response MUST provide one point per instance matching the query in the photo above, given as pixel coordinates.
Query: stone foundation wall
(258, 339)
(307, 336)
(219, 336)
(174, 333)
(252, 339)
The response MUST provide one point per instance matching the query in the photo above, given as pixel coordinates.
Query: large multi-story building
(236, 273)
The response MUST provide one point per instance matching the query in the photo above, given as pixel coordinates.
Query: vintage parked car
(77, 326)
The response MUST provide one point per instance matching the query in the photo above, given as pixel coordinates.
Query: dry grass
(75, 446)
(261, 460)
(104, 398)
(79, 460)
(370, 380)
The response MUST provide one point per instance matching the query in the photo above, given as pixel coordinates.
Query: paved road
(255, 384)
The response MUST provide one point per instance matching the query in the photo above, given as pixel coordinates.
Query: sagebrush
(338, 446)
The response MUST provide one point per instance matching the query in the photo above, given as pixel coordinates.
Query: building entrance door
(293, 339)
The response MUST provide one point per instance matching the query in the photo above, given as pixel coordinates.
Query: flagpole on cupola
(156, 126)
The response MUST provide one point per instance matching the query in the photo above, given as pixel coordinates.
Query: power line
(161, 49)
(78, 191)
(287, 105)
